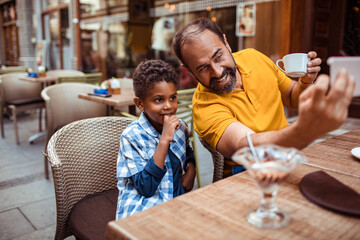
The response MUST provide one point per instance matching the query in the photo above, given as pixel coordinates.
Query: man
(245, 92)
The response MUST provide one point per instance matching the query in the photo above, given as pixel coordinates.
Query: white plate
(356, 152)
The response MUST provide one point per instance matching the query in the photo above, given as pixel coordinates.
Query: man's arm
(320, 110)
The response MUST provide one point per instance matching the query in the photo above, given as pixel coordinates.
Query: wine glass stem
(268, 201)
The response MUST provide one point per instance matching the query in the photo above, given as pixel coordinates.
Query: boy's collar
(146, 125)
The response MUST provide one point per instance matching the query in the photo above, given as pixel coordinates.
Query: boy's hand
(187, 179)
(171, 123)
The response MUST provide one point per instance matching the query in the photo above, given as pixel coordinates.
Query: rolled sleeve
(147, 181)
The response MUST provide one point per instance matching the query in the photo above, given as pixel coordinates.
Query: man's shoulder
(250, 59)
(247, 53)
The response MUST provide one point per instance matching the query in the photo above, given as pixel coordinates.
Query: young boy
(154, 149)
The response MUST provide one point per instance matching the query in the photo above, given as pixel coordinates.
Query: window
(9, 32)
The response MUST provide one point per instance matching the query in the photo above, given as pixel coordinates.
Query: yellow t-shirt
(258, 105)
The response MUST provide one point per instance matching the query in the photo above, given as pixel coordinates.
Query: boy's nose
(167, 104)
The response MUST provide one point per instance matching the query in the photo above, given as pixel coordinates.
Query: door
(57, 33)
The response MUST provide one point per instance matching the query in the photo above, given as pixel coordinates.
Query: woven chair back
(83, 157)
(64, 106)
(184, 112)
(218, 161)
(13, 88)
(11, 69)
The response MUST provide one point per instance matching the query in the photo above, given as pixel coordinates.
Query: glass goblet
(269, 168)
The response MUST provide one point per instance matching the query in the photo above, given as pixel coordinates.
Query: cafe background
(113, 36)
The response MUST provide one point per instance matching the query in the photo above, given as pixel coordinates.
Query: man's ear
(139, 103)
(226, 43)
(187, 68)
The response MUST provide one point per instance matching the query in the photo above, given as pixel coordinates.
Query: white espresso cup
(295, 64)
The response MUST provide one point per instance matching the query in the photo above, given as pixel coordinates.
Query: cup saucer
(296, 74)
(356, 152)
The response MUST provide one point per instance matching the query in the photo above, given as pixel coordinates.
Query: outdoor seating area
(22, 174)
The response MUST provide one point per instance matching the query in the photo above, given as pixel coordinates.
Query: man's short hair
(192, 29)
(149, 72)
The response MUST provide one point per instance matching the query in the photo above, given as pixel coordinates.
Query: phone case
(351, 64)
(99, 95)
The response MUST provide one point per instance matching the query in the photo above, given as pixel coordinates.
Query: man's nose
(217, 70)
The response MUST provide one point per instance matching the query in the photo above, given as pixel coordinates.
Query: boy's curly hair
(149, 72)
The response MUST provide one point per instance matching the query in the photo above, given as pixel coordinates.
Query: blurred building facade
(113, 36)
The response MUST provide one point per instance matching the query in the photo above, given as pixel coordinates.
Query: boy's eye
(173, 98)
(158, 100)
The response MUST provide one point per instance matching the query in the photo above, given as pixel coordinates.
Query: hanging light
(213, 19)
(166, 5)
(208, 9)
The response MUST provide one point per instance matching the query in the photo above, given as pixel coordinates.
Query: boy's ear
(139, 103)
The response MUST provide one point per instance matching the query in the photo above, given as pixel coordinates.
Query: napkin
(326, 191)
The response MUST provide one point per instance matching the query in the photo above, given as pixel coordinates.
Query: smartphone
(351, 64)
(99, 95)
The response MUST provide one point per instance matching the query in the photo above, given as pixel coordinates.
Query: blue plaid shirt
(138, 143)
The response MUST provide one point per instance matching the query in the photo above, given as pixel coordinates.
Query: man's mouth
(226, 83)
(223, 79)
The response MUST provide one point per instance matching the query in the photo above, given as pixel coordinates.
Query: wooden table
(44, 80)
(218, 211)
(125, 98)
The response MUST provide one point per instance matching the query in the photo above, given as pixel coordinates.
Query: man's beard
(227, 88)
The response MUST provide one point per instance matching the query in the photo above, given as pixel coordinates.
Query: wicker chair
(124, 83)
(91, 78)
(63, 106)
(18, 96)
(218, 161)
(184, 98)
(11, 69)
(83, 157)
